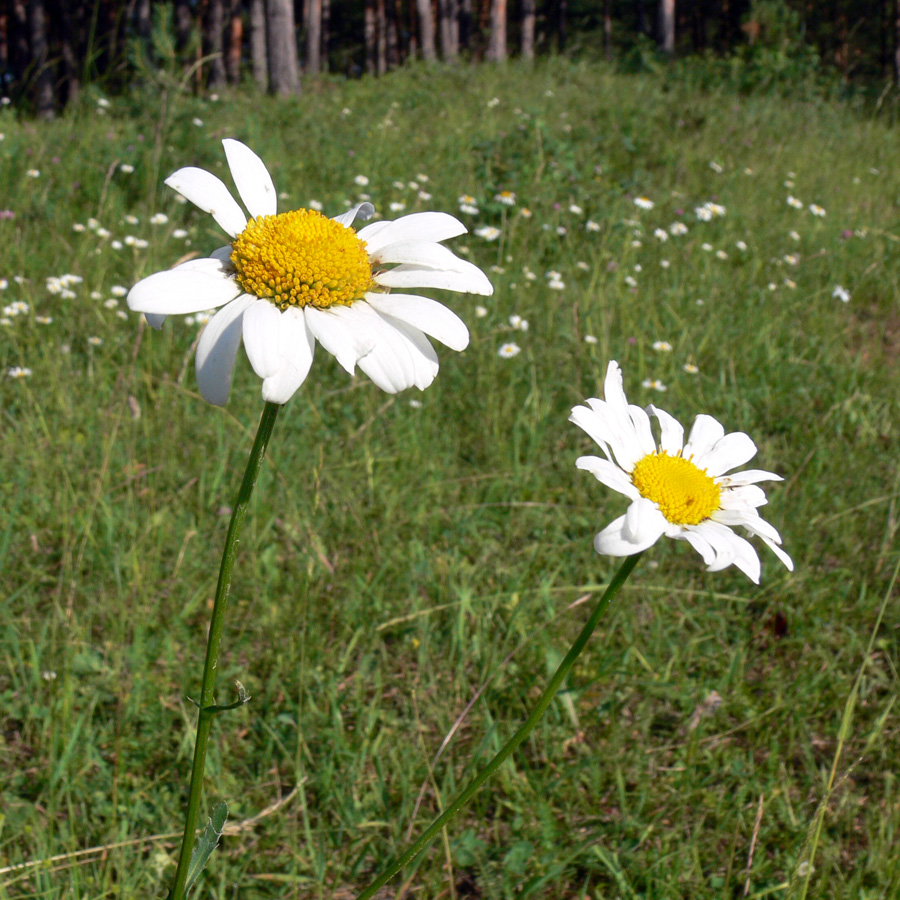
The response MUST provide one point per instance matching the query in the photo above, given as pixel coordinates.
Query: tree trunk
(392, 36)
(563, 23)
(528, 16)
(465, 27)
(281, 43)
(370, 36)
(313, 36)
(70, 51)
(326, 34)
(448, 10)
(258, 42)
(40, 59)
(235, 44)
(897, 41)
(426, 30)
(497, 45)
(214, 42)
(667, 26)
(380, 38)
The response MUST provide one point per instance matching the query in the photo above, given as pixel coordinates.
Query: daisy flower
(288, 280)
(678, 490)
(508, 351)
(841, 293)
(643, 203)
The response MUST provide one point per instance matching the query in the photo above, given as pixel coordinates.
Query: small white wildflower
(127, 168)
(159, 219)
(508, 351)
(841, 293)
(488, 232)
(794, 202)
(361, 180)
(662, 346)
(654, 384)
(480, 312)
(590, 339)
(591, 225)
(643, 203)
(690, 368)
(816, 210)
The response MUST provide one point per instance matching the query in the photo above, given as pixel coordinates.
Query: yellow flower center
(301, 258)
(685, 494)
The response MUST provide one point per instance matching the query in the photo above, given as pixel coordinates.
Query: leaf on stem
(206, 843)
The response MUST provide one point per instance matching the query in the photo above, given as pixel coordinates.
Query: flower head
(288, 280)
(678, 489)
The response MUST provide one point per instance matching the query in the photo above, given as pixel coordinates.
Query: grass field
(403, 551)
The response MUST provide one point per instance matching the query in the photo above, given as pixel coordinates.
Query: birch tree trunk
(528, 16)
(258, 42)
(426, 30)
(667, 26)
(313, 36)
(448, 11)
(497, 45)
(40, 59)
(369, 36)
(281, 48)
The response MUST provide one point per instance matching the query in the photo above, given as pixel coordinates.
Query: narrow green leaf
(206, 843)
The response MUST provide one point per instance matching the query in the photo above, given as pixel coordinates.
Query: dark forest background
(51, 49)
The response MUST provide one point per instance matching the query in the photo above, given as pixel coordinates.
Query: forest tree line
(49, 49)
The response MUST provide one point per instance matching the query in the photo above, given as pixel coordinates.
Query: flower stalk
(207, 708)
(410, 854)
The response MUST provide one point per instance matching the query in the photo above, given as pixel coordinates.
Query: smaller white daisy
(508, 351)
(677, 489)
(841, 293)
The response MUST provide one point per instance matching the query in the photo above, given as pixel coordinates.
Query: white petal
(210, 265)
(209, 193)
(609, 474)
(363, 210)
(746, 496)
(181, 291)
(749, 519)
(748, 476)
(401, 357)
(644, 433)
(342, 332)
(251, 178)
(698, 542)
(705, 432)
(788, 562)
(217, 348)
(419, 253)
(730, 548)
(471, 281)
(594, 424)
(731, 451)
(424, 226)
(427, 315)
(671, 431)
(641, 527)
(296, 346)
(262, 330)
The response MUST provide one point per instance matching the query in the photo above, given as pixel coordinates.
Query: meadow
(405, 554)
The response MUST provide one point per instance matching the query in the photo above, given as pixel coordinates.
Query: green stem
(216, 625)
(559, 676)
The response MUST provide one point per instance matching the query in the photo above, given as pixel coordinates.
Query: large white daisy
(288, 280)
(677, 489)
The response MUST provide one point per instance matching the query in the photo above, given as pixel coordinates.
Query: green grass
(397, 558)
